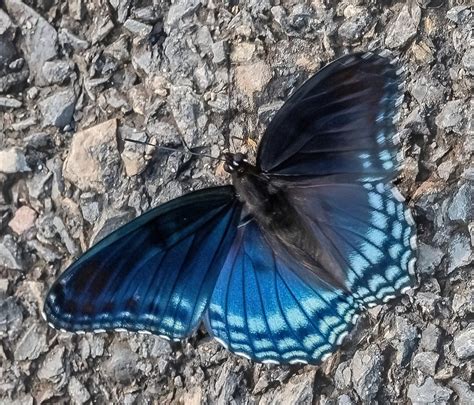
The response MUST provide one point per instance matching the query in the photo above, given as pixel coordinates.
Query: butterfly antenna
(167, 148)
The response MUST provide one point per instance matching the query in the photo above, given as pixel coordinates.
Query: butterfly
(279, 265)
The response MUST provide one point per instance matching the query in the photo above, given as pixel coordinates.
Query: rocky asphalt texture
(78, 77)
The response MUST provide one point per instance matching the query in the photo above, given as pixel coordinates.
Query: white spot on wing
(221, 342)
(270, 361)
(388, 298)
(398, 196)
(245, 355)
(325, 357)
(409, 217)
(341, 338)
(411, 265)
(405, 289)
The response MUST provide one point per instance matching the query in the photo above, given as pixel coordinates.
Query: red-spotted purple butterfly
(278, 265)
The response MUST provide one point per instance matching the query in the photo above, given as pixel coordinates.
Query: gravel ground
(79, 77)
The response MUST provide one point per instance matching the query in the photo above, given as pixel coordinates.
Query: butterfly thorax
(285, 229)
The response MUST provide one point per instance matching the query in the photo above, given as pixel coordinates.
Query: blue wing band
(263, 309)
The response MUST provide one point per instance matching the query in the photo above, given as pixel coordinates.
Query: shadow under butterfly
(278, 265)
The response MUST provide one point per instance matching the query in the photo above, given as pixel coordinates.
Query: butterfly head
(235, 162)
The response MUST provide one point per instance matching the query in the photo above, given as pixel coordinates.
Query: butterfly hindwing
(154, 274)
(265, 310)
(339, 123)
(365, 227)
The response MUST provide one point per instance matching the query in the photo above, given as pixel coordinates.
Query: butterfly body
(279, 264)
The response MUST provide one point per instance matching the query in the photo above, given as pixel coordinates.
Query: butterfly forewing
(155, 273)
(339, 123)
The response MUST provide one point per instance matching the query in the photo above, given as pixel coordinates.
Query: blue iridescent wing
(155, 274)
(265, 309)
(339, 123)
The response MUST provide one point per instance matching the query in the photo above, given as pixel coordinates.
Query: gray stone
(344, 400)
(122, 7)
(102, 26)
(58, 108)
(161, 347)
(227, 383)
(459, 251)
(13, 161)
(77, 9)
(122, 364)
(47, 253)
(459, 14)
(204, 39)
(77, 391)
(407, 337)
(463, 390)
(40, 37)
(10, 254)
(405, 26)
(343, 376)
(427, 90)
(11, 318)
(463, 302)
(462, 204)
(92, 345)
(429, 258)
(147, 14)
(68, 39)
(32, 344)
(5, 22)
(179, 11)
(133, 154)
(367, 366)
(56, 71)
(431, 338)
(187, 109)
(203, 77)
(428, 302)
(38, 184)
(9, 102)
(219, 52)
(353, 28)
(119, 49)
(65, 237)
(13, 79)
(298, 390)
(464, 343)
(426, 362)
(90, 207)
(52, 368)
(468, 60)
(429, 393)
(137, 28)
(109, 222)
(446, 169)
(451, 116)
(8, 54)
(38, 140)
